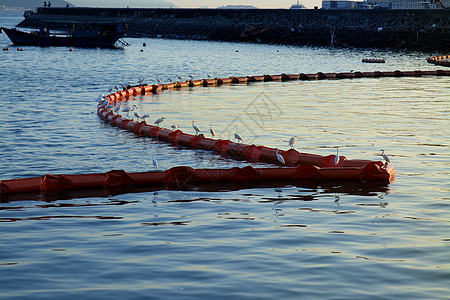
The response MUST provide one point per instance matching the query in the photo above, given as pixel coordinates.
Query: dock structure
(395, 29)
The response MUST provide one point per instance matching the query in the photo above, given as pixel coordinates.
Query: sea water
(275, 241)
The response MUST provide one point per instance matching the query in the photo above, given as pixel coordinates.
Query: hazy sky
(195, 3)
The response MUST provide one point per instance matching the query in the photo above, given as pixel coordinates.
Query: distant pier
(427, 30)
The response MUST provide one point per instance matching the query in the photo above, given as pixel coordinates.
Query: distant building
(385, 4)
(407, 4)
(340, 4)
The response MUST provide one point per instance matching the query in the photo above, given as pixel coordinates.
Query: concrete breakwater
(395, 29)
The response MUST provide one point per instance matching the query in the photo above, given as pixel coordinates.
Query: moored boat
(103, 35)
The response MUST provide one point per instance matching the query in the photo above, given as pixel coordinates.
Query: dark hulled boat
(103, 35)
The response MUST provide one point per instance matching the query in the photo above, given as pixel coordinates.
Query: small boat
(373, 60)
(103, 35)
(298, 6)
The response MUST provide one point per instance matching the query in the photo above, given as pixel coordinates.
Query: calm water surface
(285, 240)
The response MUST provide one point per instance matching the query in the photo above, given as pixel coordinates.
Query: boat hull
(20, 38)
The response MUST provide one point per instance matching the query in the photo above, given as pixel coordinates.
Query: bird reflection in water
(155, 196)
(337, 198)
(279, 191)
(278, 211)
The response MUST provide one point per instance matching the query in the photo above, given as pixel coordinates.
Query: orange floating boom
(180, 176)
(348, 169)
(301, 165)
(442, 60)
(242, 151)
